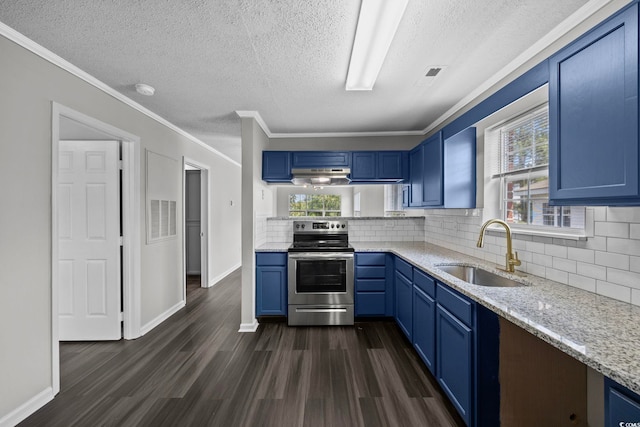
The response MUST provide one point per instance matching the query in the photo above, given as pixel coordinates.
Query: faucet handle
(516, 261)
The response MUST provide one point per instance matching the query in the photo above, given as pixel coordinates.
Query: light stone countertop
(601, 332)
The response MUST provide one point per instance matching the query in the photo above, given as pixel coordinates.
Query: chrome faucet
(511, 259)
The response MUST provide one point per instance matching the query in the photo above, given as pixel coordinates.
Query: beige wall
(28, 85)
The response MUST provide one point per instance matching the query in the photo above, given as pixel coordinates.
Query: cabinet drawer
(369, 285)
(370, 259)
(371, 272)
(456, 304)
(271, 258)
(405, 268)
(424, 282)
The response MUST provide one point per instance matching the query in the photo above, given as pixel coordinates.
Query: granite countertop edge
(598, 331)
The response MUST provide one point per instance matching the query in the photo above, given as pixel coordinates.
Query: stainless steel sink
(478, 276)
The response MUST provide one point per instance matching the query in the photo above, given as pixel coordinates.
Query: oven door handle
(321, 255)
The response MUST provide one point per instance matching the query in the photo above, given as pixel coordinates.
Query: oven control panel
(320, 226)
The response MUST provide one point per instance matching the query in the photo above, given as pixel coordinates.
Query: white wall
(257, 202)
(28, 85)
(371, 199)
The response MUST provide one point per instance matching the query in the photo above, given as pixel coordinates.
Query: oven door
(321, 278)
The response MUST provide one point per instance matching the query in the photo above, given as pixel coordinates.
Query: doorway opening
(68, 124)
(195, 225)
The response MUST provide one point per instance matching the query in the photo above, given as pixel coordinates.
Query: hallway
(196, 369)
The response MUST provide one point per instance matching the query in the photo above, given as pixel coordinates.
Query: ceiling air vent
(429, 75)
(433, 72)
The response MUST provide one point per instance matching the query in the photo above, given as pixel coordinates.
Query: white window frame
(492, 190)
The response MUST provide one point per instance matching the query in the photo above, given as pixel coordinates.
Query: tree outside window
(314, 205)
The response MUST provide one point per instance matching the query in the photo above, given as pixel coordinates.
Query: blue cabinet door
(370, 304)
(432, 180)
(621, 405)
(276, 166)
(271, 290)
(593, 116)
(454, 346)
(363, 165)
(460, 170)
(416, 170)
(424, 327)
(404, 305)
(393, 165)
(320, 159)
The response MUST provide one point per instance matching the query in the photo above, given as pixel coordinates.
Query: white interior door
(88, 211)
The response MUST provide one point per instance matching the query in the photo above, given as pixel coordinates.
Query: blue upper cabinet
(593, 116)
(425, 173)
(416, 168)
(321, 159)
(393, 165)
(363, 166)
(460, 170)
(379, 166)
(276, 166)
(432, 188)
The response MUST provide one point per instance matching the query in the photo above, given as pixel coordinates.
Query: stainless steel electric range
(321, 274)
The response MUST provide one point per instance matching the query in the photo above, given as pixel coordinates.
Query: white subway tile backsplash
(567, 265)
(625, 278)
(623, 214)
(542, 260)
(623, 246)
(555, 251)
(590, 270)
(582, 255)
(557, 275)
(612, 290)
(612, 229)
(536, 247)
(609, 259)
(635, 296)
(634, 231)
(582, 282)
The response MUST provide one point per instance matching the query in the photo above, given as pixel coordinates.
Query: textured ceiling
(286, 59)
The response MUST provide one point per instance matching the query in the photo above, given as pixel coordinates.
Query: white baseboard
(249, 327)
(29, 407)
(219, 277)
(161, 318)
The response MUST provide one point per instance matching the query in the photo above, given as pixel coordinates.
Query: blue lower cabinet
(373, 284)
(454, 372)
(404, 303)
(371, 304)
(424, 327)
(622, 406)
(271, 284)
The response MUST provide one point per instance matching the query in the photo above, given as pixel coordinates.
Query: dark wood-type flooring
(197, 370)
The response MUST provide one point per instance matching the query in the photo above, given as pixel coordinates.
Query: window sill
(567, 235)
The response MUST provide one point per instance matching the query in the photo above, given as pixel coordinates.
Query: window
(522, 167)
(314, 205)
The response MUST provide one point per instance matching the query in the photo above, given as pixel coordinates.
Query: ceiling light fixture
(144, 89)
(377, 25)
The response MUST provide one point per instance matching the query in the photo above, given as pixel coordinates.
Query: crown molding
(573, 21)
(25, 42)
(258, 118)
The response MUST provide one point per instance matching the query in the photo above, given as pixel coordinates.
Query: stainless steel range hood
(321, 176)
